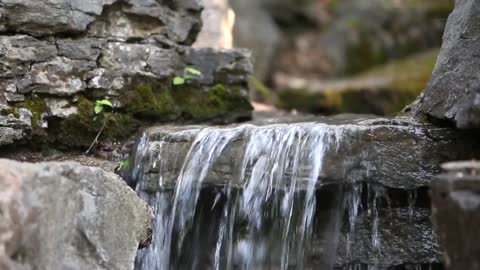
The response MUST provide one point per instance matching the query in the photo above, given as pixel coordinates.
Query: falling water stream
(265, 217)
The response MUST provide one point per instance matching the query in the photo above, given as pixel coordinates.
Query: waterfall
(255, 197)
(267, 210)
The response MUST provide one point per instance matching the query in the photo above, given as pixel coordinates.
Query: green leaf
(98, 109)
(193, 71)
(104, 102)
(124, 165)
(178, 81)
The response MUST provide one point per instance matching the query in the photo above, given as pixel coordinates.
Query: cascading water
(269, 214)
(268, 210)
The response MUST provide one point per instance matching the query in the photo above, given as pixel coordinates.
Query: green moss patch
(145, 100)
(82, 128)
(36, 106)
(145, 104)
(202, 105)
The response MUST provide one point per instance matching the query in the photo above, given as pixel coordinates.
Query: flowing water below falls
(277, 210)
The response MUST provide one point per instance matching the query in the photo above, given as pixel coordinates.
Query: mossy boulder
(384, 90)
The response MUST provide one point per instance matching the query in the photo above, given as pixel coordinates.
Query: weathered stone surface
(456, 214)
(405, 237)
(61, 79)
(394, 153)
(117, 19)
(451, 90)
(67, 216)
(13, 128)
(60, 56)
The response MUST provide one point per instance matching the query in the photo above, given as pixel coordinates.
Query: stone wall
(59, 57)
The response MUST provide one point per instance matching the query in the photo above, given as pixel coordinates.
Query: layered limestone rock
(55, 65)
(68, 216)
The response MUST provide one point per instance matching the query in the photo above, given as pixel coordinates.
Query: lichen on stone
(36, 105)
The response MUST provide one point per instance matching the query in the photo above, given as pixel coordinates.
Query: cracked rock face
(61, 55)
(68, 216)
(452, 94)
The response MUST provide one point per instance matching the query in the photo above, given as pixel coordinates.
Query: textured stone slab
(114, 19)
(395, 153)
(453, 93)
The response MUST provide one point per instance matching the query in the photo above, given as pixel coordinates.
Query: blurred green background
(334, 56)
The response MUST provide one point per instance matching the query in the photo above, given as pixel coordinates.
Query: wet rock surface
(68, 216)
(55, 65)
(456, 208)
(452, 94)
(404, 237)
(394, 153)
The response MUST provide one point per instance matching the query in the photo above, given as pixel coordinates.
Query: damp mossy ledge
(210, 104)
(82, 128)
(147, 104)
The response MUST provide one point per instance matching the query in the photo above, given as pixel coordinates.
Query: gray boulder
(451, 94)
(68, 216)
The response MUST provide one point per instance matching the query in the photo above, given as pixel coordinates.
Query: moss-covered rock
(36, 105)
(384, 90)
(212, 103)
(148, 103)
(81, 129)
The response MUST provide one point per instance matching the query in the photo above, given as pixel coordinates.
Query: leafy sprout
(189, 74)
(100, 106)
(124, 165)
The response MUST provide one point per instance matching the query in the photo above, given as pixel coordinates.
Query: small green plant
(99, 109)
(124, 165)
(100, 105)
(189, 74)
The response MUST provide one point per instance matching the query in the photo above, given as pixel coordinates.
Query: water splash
(373, 212)
(268, 207)
(353, 208)
(412, 200)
